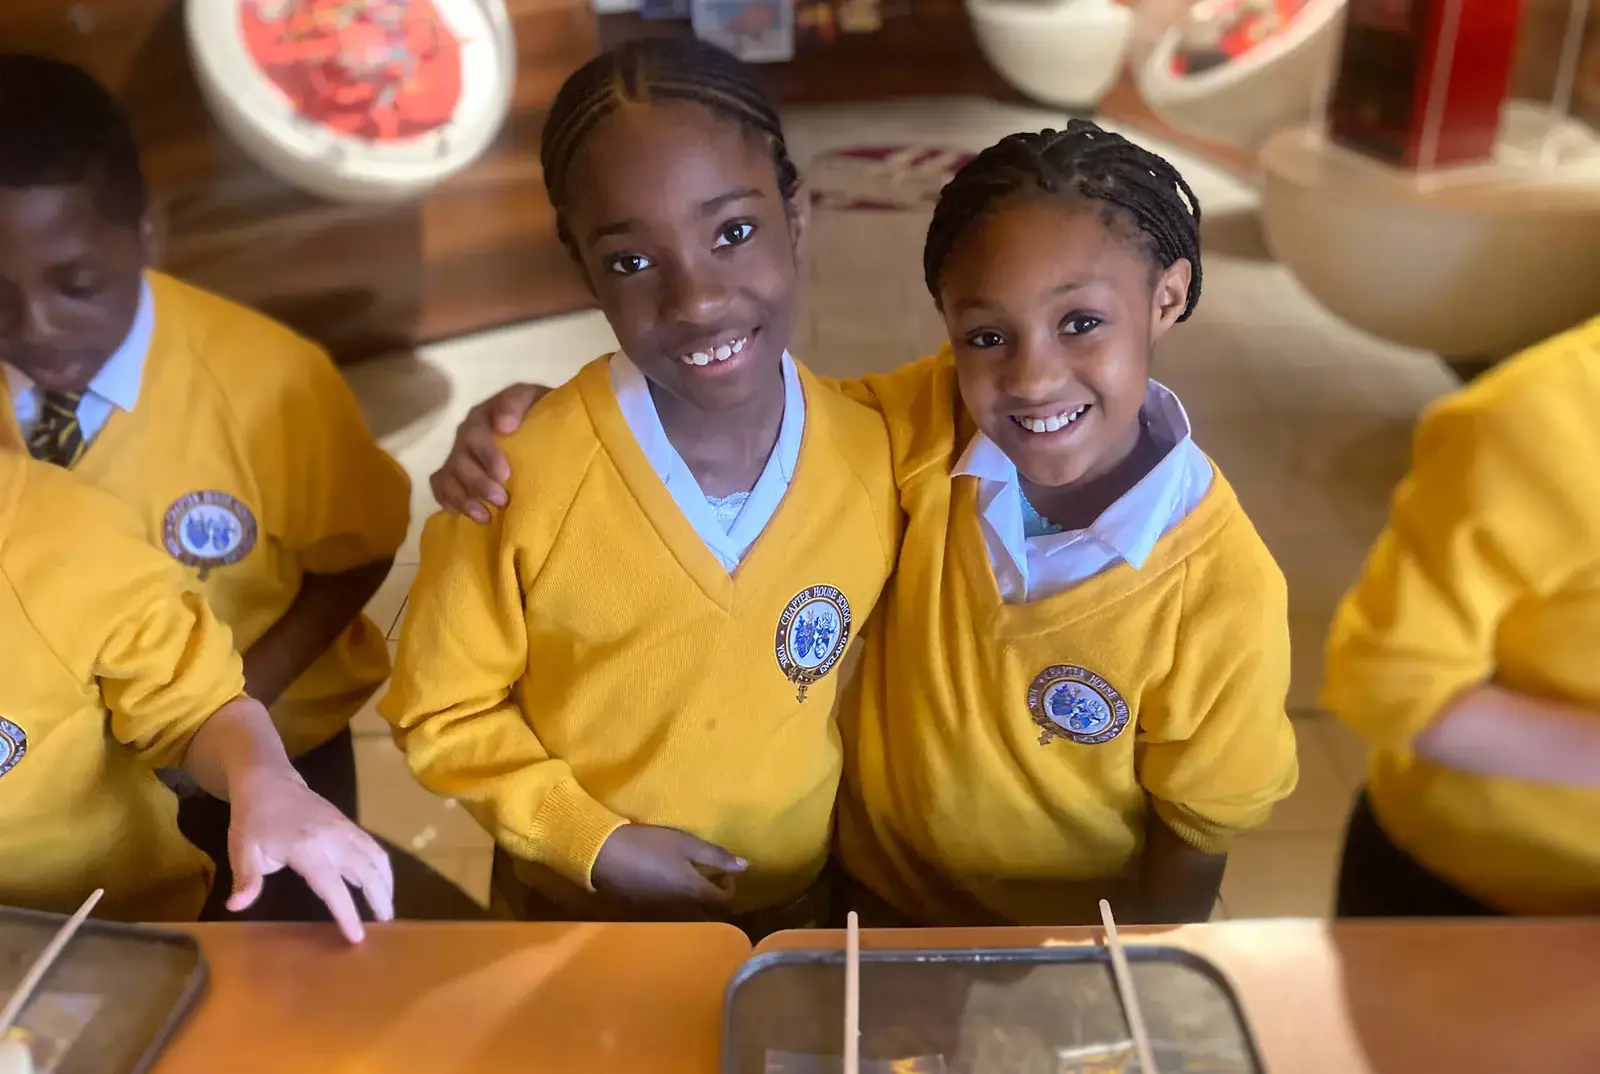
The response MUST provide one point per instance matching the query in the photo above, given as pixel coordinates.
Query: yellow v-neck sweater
(585, 660)
(999, 755)
(238, 414)
(111, 664)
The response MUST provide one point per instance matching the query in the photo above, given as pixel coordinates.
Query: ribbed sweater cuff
(1204, 835)
(569, 830)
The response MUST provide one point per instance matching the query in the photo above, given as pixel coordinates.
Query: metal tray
(1052, 1010)
(114, 999)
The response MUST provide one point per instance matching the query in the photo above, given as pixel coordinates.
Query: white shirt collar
(1131, 526)
(120, 378)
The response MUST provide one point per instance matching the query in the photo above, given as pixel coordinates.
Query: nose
(696, 292)
(1035, 371)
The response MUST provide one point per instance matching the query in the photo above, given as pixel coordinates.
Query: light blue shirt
(115, 387)
(1032, 568)
(731, 524)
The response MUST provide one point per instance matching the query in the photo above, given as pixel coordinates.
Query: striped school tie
(57, 437)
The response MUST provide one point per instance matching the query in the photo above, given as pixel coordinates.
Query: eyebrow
(1065, 288)
(706, 208)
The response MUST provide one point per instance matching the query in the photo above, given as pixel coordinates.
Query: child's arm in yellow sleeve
(1217, 748)
(1485, 518)
(463, 650)
(332, 497)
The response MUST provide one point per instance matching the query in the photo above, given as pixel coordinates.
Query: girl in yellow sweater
(626, 675)
(1076, 686)
(1465, 655)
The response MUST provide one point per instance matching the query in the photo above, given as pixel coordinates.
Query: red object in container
(1399, 53)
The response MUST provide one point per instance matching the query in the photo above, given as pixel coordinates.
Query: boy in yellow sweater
(1465, 655)
(114, 666)
(626, 675)
(1076, 687)
(236, 443)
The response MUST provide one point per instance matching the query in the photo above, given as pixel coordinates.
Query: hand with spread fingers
(278, 822)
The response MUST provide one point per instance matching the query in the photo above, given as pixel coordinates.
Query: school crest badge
(209, 530)
(812, 634)
(13, 744)
(1074, 703)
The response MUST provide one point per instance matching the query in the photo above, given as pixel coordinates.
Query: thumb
(710, 855)
(248, 876)
(512, 407)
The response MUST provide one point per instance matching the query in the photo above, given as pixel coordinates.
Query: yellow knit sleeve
(463, 651)
(1494, 509)
(116, 610)
(329, 492)
(1216, 746)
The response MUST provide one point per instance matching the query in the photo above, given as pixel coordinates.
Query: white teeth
(1053, 423)
(720, 353)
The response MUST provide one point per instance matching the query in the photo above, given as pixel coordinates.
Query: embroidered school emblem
(1071, 702)
(209, 530)
(812, 634)
(13, 744)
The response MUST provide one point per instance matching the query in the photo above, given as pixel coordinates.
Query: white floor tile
(1281, 875)
(1321, 800)
(397, 807)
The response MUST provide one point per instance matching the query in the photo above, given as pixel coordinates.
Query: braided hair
(647, 71)
(59, 127)
(1142, 194)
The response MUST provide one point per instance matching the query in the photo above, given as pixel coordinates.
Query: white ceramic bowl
(315, 158)
(1473, 263)
(1063, 53)
(1245, 101)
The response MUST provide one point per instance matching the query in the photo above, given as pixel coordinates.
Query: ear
(799, 215)
(1170, 298)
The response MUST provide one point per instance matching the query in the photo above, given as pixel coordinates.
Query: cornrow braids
(651, 70)
(1136, 186)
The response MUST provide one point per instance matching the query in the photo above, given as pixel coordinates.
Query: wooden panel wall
(477, 252)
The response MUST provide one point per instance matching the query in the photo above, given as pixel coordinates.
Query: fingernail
(740, 863)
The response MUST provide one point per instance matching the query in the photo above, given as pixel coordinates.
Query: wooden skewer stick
(1130, 998)
(852, 995)
(41, 966)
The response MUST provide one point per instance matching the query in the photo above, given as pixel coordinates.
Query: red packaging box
(1395, 51)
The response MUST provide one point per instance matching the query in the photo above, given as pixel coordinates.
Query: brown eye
(627, 264)
(985, 339)
(1079, 325)
(734, 233)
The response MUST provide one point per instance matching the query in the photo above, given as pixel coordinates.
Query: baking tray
(111, 1002)
(1052, 1010)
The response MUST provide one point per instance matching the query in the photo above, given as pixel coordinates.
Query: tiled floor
(1308, 419)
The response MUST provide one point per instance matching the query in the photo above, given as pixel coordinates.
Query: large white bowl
(259, 118)
(1245, 101)
(1063, 53)
(1471, 264)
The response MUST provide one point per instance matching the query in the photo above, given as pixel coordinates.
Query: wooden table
(1484, 997)
(1470, 997)
(460, 999)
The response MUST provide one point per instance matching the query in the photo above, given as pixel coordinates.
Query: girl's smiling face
(1052, 316)
(688, 244)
